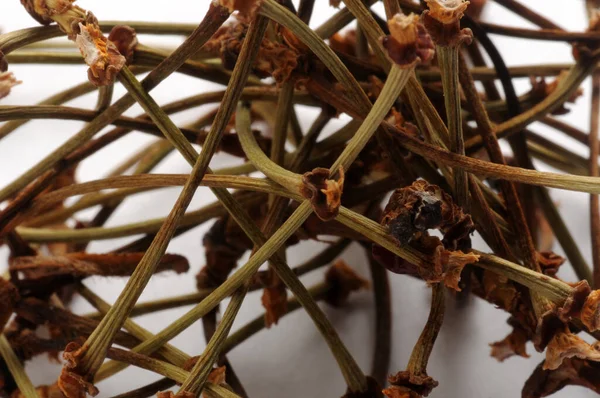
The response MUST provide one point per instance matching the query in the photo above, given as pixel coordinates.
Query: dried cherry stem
(564, 90)
(57, 99)
(383, 320)
(99, 341)
(196, 380)
(448, 61)
(417, 364)
(594, 172)
(317, 292)
(165, 369)
(16, 369)
(168, 351)
(192, 218)
(212, 21)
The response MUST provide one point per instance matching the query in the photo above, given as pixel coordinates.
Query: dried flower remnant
(125, 40)
(405, 382)
(9, 297)
(590, 313)
(70, 382)
(442, 21)
(565, 345)
(342, 280)
(101, 55)
(324, 194)
(408, 41)
(82, 27)
(7, 82)
(572, 371)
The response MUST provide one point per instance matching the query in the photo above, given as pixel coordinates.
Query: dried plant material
(423, 206)
(475, 8)
(549, 262)
(513, 344)
(125, 40)
(335, 3)
(590, 313)
(541, 89)
(400, 392)
(101, 55)
(82, 27)
(246, 8)
(324, 194)
(274, 299)
(568, 345)
(572, 306)
(373, 390)
(274, 59)
(342, 280)
(9, 296)
(7, 82)
(408, 41)
(442, 21)
(80, 265)
(572, 371)
(421, 384)
(51, 391)
(70, 382)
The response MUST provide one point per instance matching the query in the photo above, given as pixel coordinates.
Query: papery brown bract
(342, 280)
(590, 313)
(513, 344)
(573, 304)
(549, 262)
(572, 371)
(274, 300)
(564, 345)
(7, 82)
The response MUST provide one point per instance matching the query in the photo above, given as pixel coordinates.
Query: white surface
(291, 359)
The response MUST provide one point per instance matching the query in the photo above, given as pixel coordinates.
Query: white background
(290, 359)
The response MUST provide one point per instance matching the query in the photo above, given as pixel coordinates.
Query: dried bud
(564, 345)
(125, 40)
(408, 42)
(342, 281)
(590, 313)
(246, 8)
(102, 56)
(442, 20)
(324, 194)
(72, 384)
(7, 82)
